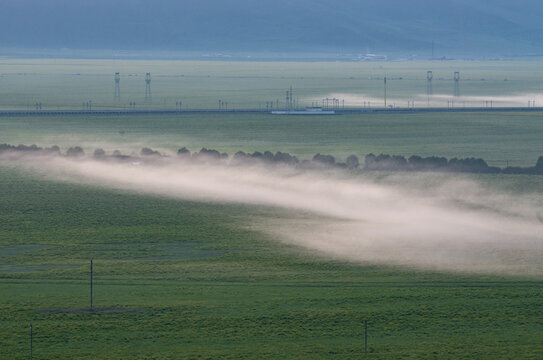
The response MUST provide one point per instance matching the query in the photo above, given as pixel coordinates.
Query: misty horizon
(347, 29)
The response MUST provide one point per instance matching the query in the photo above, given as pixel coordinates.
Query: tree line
(382, 162)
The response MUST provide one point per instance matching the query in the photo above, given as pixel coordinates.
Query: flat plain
(69, 83)
(499, 138)
(183, 279)
(176, 279)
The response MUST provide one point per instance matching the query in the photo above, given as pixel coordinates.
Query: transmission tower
(148, 87)
(287, 100)
(385, 81)
(117, 96)
(429, 91)
(290, 105)
(456, 84)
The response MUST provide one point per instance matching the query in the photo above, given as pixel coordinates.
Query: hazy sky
(474, 27)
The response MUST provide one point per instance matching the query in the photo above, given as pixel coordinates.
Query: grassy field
(500, 138)
(177, 279)
(196, 280)
(61, 83)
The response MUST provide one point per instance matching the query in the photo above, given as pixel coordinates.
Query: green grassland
(68, 83)
(500, 138)
(235, 294)
(179, 279)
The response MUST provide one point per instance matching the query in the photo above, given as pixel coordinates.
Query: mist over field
(454, 224)
(271, 179)
(439, 100)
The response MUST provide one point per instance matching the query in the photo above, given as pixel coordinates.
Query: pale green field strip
(500, 138)
(68, 84)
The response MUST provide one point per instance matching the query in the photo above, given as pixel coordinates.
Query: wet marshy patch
(99, 310)
(151, 251)
(23, 258)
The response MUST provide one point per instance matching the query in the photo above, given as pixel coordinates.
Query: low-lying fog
(410, 219)
(435, 100)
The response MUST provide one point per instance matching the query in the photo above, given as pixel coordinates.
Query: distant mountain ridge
(455, 27)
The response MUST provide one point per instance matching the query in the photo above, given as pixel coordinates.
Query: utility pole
(429, 90)
(148, 87)
(91, 285)
(31, 341)
(365, 337)
(117, 96)
(385, 91)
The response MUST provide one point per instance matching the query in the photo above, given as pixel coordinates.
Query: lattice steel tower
(456, 84)
(117, 96)
(429, 91)
(148, 87)
(287, 101)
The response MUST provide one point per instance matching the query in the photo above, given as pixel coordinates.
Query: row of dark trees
(385, 162)
(29, 148)
(372, 162)
(53, 150)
